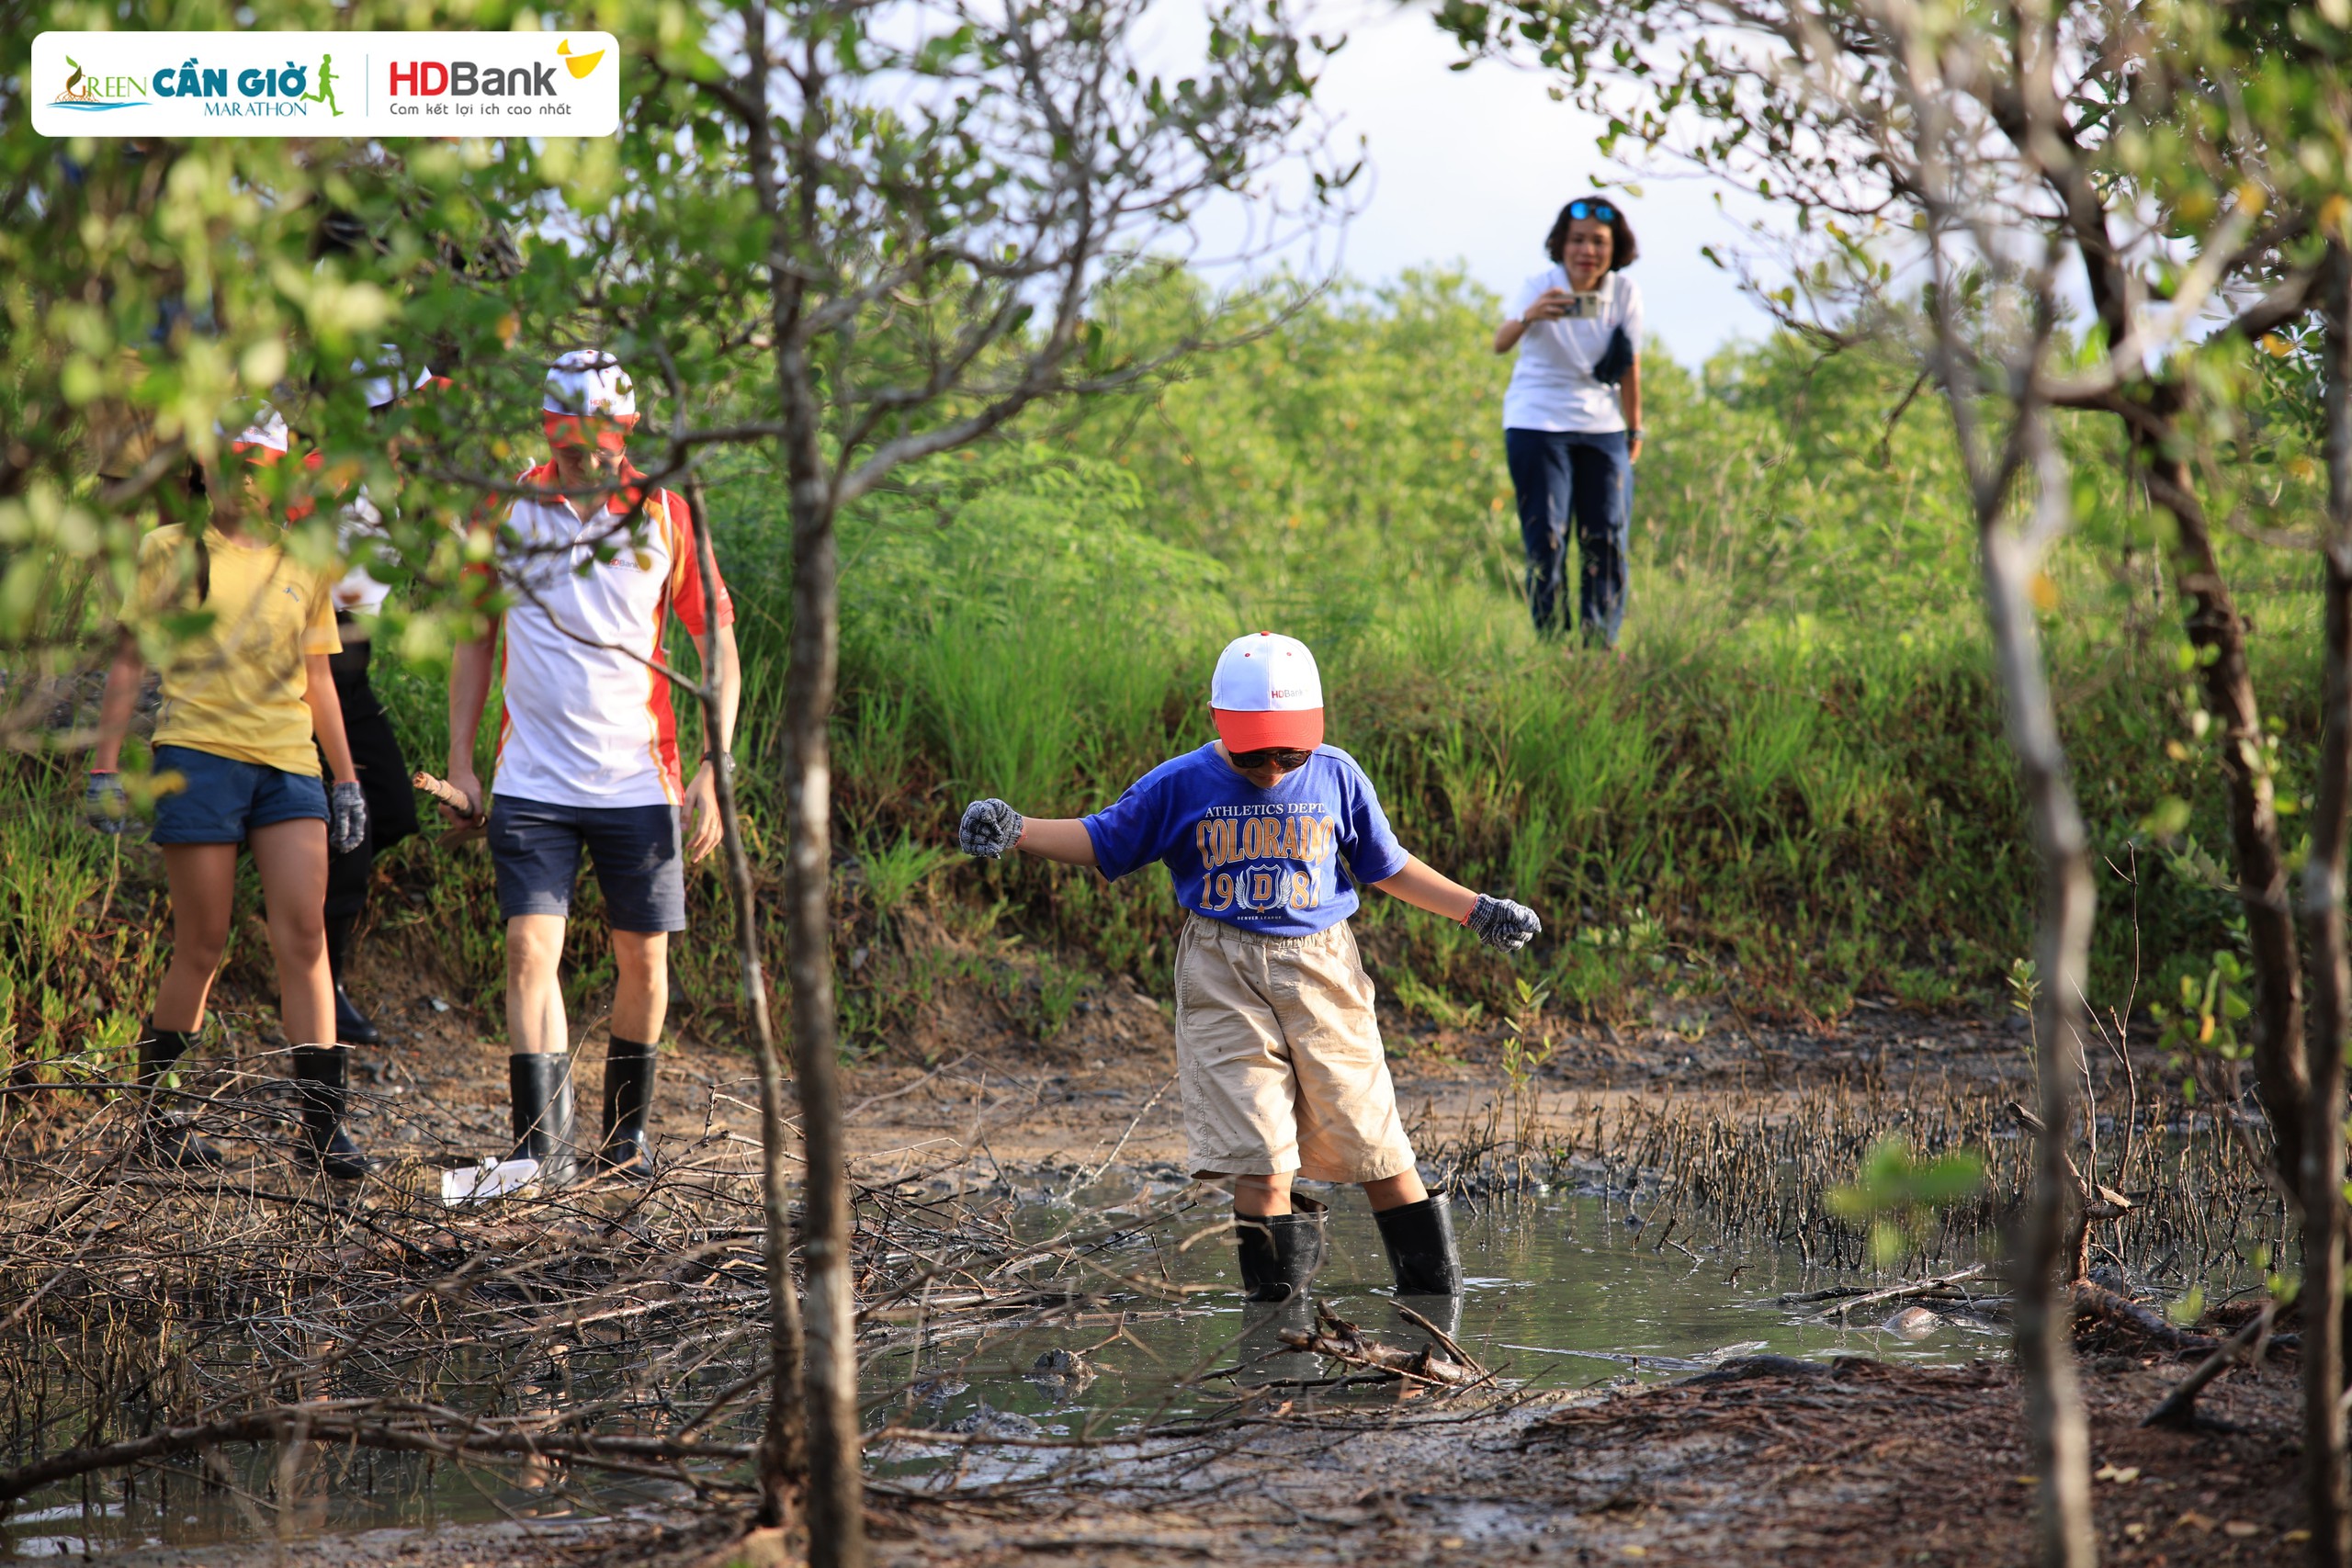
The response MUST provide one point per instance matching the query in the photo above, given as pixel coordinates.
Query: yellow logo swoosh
(581, 64)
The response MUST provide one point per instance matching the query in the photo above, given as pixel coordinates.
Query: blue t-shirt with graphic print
(1265, 860)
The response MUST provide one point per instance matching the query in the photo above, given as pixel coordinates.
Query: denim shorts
(225, 799)
(535, 848)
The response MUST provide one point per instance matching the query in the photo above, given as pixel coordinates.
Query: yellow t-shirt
(236, 689)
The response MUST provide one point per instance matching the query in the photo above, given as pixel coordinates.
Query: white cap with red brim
(265, 440)
(588, 383)
(386, 376)
(1267, 692)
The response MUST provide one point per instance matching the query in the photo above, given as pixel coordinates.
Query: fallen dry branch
(2105, 1305)
(1445, 1341)
(2179, 1407)
(1904, 1293)
(1343, 1342)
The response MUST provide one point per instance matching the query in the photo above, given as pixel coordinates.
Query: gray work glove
(347, 818)
(990, 828)
(104, 804)
(1503, 925)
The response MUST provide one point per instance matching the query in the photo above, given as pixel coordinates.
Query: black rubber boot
(540, 1084)
(351, 1026)
(629, 1096)
(164, 1138)
(1281, 1253)
(322, 1086)
(1419, 1239)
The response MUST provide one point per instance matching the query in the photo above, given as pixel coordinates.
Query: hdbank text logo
(469, 89)
(450, 85)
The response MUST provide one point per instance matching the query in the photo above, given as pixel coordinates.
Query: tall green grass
(1793, 788)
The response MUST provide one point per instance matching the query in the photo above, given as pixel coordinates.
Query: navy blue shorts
(225, 799)
(536, 847)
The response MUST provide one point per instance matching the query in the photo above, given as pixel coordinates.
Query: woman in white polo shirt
(1571, 417)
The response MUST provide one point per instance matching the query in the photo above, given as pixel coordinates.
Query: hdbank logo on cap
(1267, 692)
(292, 84)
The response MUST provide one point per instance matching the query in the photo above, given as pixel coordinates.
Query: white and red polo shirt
(587, 722)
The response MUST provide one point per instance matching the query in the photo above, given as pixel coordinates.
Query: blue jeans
(1561, 474)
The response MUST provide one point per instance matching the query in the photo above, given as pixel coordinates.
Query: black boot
(351, 1026)
(1281, 1253)
(629, 1095)
(540, 1084)
(1419, 1239)
(322, 1086)
(164, 1138)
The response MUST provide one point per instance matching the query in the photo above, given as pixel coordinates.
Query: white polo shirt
(586, 722)
(1552, 384)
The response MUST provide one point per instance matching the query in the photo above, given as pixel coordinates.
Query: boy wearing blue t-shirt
(1268, 833)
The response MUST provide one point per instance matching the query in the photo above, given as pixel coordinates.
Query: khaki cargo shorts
(1279, 1057)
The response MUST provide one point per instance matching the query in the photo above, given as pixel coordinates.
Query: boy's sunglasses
(1289, 758)
(1599, 210)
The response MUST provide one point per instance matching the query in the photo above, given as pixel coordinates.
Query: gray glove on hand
(347, 818)
(1503, 925)
(104, 805)
(990, 828)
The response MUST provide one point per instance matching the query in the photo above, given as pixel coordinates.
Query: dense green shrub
(1793, 788)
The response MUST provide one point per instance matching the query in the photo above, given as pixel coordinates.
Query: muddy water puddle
(1563, 1292)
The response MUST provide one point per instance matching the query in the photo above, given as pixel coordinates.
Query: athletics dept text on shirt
(1284, 862)
(1263, 859)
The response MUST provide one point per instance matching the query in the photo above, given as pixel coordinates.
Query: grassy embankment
(1792, 788)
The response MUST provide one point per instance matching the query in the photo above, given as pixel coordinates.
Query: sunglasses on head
(1599, 210)
(1289, 758)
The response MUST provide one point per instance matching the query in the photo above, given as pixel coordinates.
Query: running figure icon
(325, 92)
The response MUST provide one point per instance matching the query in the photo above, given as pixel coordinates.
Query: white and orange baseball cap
(388, 378)
(265, 440)
(1267, 692)
(588, 386)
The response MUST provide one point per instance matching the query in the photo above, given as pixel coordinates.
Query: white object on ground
(491, 1179)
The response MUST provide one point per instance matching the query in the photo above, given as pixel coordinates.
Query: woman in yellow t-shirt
(245, 693)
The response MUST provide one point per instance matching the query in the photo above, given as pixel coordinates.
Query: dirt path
(990, 1099)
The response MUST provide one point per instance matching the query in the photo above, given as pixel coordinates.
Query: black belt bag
(1610, 368)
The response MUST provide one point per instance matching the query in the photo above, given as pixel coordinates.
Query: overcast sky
(1469, 167)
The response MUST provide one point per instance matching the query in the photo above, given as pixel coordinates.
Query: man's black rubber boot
(351, 1026)
(164, 1138)
(540, 1084)
(1281, 1254)
(1419, 1239)
(628, 1097)
(322, 1086)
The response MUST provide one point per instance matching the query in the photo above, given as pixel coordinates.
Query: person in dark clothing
(376, 751)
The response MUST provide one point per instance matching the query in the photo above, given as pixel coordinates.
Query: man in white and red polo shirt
(588, 751)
